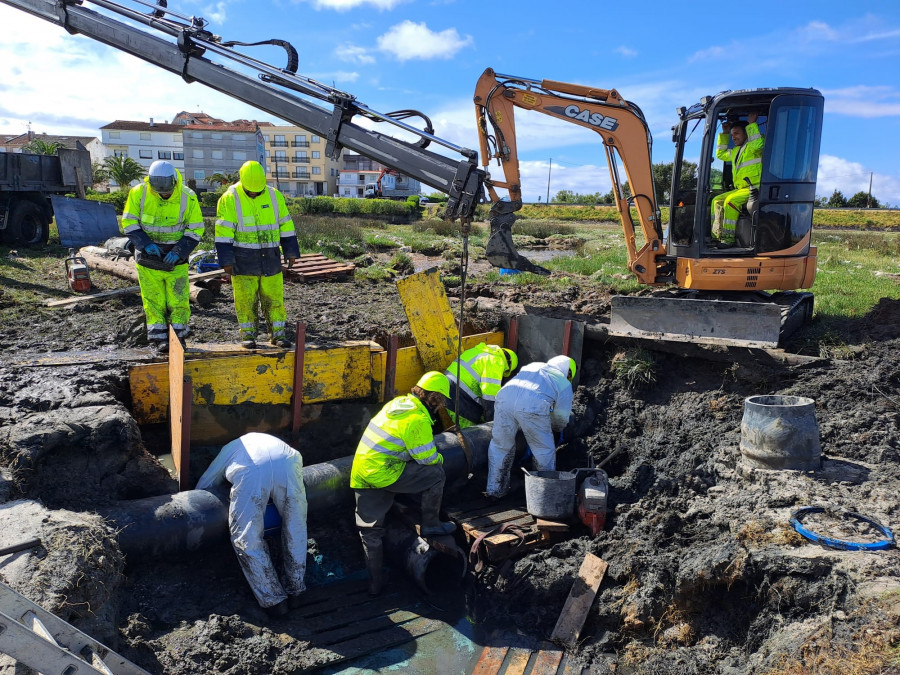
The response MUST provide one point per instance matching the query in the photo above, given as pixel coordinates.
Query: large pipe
(190, 520)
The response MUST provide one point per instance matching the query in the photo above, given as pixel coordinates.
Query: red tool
(77, 273)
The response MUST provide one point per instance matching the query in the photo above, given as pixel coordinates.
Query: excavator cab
(776, 220)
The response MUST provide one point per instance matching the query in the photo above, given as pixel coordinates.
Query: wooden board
(430, 318)
(179, 411)
(476, 520)
(315, 266)
(581, 597)
(491, 661)
(547, 661)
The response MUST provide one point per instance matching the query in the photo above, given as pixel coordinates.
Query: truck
(391, 185)
(26, 183)
(704, 291)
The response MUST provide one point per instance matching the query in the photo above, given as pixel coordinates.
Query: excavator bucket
(500, 250)
(720, 322)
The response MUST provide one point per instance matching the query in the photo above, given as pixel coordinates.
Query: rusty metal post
(567, 338)
(390, 368)
(299, 354)
(512, 335)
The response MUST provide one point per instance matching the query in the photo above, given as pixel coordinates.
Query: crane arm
(623, 130)
(273, 90)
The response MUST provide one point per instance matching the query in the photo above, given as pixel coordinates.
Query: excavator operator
(746, 163)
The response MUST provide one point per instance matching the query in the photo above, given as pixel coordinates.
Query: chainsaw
(77, 273)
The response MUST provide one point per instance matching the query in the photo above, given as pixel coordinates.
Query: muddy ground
(705, 573)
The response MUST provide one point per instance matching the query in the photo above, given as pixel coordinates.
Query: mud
(705, 575)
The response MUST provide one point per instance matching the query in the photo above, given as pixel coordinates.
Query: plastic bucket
(505, 271)
(780, 432)
(550, 494)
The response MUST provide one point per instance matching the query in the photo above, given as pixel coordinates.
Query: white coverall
(261, 467)
(538, 401)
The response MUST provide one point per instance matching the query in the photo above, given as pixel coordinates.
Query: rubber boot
(431, 509)
(375, 565)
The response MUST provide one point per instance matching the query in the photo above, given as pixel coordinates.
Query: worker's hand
(171, 258)
(153, 249)
(228, 270)
(726, 127)
(752, 117)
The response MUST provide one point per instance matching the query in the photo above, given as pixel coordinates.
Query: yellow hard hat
(512, 359)
(435, 381)
(253, 176)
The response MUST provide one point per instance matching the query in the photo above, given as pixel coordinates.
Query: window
(199, 174)
(316, 139)
(120, 153)
(176, 137)
(317, 170)
(217, 154)
(178, 155)
(316, 154)
(279, 142)
(216, 137)
(239, 154)
(115, 134)
(237, 137)
(145, 135)
(164, 154)
(145, 154)
(197, 134)
(197, 154)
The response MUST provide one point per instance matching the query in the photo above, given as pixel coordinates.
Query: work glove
(153, 249)
(171, 258)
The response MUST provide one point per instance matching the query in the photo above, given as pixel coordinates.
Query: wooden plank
(430, 318)
(547, 662)
(179, 411)
(353, 626)
(581, 597)
(263, 378)
(490, 520)
(518, 661)
(380, 640)
(551, 525)
(491, 661)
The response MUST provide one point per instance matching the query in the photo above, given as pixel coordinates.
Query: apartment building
(15, 143)
(358, 171)
(212, 148)
(144, 142)
(296, 163)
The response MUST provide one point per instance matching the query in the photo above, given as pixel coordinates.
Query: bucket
(505, 271)
(780, 432)
(550, 494)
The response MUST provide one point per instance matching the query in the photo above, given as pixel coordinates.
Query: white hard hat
(162, 177)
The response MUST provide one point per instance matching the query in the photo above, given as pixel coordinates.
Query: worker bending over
(539, 402)
(480, 371)
(162, 220)
(397, 455)
(260, 467)
(253, 226)
(746, 167)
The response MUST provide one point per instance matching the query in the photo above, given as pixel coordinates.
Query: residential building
(357, 171)
(296, 163)
(220, 148)
(144, 142)
(15, 143)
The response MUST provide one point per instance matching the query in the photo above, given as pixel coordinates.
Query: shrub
(634, 368)
(117, 199)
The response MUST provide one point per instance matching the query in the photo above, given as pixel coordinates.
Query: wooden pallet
(477, 520)
(506, 655)
(344, 622)
(315, 267)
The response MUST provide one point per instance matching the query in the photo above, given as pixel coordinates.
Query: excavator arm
(187, 50)
(624, 134)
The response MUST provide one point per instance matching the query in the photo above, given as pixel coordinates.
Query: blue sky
(427, 55)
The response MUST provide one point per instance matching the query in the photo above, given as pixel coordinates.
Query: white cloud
(713, 53)
(863, 101)
(408, 40)
(849, 177)
(354, 54)
(217, 13)
(627, 52)
(344, 5)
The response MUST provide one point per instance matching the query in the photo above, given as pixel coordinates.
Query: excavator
(711, 291)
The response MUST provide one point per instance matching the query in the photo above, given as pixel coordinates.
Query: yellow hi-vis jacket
(481, 371)
(399, 433)
(250, 233)
(746, 160)
(173, 223)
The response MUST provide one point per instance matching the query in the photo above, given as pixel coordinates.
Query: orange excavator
(741, 291)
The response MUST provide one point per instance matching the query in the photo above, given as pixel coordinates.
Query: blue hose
(842, 544)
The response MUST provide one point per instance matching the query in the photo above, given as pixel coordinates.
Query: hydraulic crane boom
(273, 91)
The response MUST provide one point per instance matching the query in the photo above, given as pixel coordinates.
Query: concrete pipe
(190, 520)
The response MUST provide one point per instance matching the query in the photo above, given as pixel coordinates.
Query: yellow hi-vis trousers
(167, 299)
(726, 208)
(249, 294)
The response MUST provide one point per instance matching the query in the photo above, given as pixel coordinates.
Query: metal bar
(187, 400)
(512, 334)
(15, 548)
(390, 368)
(299, 356)
(567, 338)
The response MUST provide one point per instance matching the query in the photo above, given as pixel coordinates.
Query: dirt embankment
(705, 574)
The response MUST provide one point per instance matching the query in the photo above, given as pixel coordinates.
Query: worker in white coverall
(260, 467)
(539, 402)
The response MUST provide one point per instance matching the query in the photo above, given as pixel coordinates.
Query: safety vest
(399, 433)
(746, 159)
(481, 371)
(250, 233)
(163, 221)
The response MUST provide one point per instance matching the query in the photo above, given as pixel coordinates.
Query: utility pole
(548, 179)
(869, 198)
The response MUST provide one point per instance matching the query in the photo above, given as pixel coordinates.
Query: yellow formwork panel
(328, 374)
(410, 367)
(430, 318)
